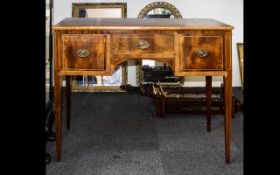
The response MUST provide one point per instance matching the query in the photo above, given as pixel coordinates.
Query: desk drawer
(201, 52)
(143, 46)
(83, 51)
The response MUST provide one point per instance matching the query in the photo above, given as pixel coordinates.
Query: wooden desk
(191, 47)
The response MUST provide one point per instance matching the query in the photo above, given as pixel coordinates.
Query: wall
(227, 11)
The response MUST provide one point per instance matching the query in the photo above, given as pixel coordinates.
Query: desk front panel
(88, 52)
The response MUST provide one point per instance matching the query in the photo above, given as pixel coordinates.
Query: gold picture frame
(99, 10)
(240, 51)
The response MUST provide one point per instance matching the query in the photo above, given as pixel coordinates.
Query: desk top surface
(141, 24)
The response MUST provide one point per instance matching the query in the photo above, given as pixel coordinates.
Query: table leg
(162, 107)
(209, 101)
(57, 109)
(157, 103)
(228, 113)
(68, 101)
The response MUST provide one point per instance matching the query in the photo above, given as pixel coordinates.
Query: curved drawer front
(201, 52)
(142, 46)
(83, 51)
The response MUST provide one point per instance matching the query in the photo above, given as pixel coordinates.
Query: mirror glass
(159, 13)
(119, 77)
(100, 13)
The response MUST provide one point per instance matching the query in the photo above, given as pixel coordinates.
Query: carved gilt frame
(240, 51)
(155, 5)
(75, 9)
(174, 11)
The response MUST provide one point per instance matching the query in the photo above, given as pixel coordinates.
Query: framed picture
(240, 51)
(99, 10)
(119, 77)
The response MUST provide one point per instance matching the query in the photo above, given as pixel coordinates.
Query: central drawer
(142, 46)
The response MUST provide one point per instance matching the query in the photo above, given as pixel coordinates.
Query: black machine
(162, 74)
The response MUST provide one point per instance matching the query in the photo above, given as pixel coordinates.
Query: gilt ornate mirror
(240, 48)
(157, 10)
(119, 77)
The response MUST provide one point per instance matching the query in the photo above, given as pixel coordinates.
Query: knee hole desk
(191, 47)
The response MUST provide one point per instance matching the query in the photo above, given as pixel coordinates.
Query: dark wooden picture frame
(78, 6)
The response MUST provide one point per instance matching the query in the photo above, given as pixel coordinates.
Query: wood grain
(211, 44)
(93, 43)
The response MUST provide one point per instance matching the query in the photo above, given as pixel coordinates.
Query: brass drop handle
(201, 53)
(83, 53)
(142, 44)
